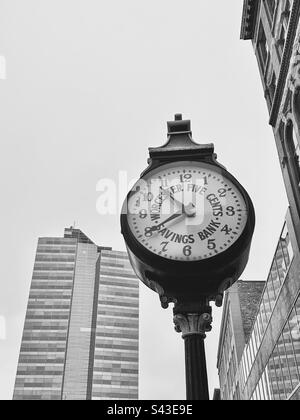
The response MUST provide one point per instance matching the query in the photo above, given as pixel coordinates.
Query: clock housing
(203, 251)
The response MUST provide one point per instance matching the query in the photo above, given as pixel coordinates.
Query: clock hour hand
(170, 195)
(189, 210)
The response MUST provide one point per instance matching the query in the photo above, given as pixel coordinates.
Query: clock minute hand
(174, 216)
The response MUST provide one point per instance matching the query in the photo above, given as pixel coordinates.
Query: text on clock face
(187, 213)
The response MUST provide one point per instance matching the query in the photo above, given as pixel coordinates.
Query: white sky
(90, 85)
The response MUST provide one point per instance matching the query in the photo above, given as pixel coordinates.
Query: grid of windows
(266, 67)
(271, 38)
(228, 364)
(279, 270)
(42, 355)
(282, 373)
(115, 373)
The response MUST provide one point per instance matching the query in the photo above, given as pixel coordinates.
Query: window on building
(265, 384)
(292, 152)
(296, 147)
(252, 350)
(271, 89)
(271, 370)
(260, 325)
(267, 306)
(280, 263)
(257, 335)
(283, 369)
(286, 14)
(270, 9)
(291, 356)
(296, 106)
(286, 245)
(271, 292)
(278, 366)
(284, 23)
(262, 48)
(281, 41)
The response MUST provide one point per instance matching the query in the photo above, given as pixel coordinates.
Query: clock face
(186, 211)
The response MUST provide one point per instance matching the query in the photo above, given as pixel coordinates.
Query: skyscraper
(80, 338)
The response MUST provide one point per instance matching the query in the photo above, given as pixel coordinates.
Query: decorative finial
(178, 117)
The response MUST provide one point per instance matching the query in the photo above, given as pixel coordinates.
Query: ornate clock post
(188, 225)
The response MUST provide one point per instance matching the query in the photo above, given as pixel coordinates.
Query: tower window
(284, 24)
(262, 48)
(296, 147)
(271, 8)
(293, 151)
(286, 14)
(296, 106)
(271, 88)
(281, 40)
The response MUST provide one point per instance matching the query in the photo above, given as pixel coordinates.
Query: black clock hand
(174, 216)
(189, 210)
(170, 195)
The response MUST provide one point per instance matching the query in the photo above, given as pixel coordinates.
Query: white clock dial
(186, 211)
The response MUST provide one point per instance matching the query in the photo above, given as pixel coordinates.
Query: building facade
(80, 339)
(267, 362)
(273, 26)
(270, 365)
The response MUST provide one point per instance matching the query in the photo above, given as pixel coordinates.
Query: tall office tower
(80, 337)
(239, 310)
(267, 362)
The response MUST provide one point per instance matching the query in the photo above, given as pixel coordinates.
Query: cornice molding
(285, 63)
(248, 19)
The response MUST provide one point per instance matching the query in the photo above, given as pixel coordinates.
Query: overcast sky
(90, 85)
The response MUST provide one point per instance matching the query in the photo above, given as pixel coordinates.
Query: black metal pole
(193, 320)
(195, 368)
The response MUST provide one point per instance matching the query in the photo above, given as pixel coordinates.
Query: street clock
(187, 222)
